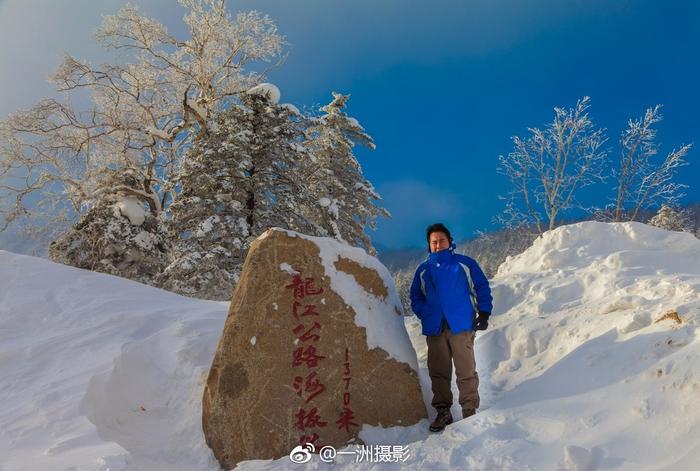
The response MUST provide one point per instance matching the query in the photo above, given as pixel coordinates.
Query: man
(451, 296)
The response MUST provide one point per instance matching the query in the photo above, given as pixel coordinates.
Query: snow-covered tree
(180, 129)
(346, 199)
(273, 163)
(641, 184)
(239, 180)
(118, 235)
(548, 168)
(146, 108)
(671, 219)
(207, 223)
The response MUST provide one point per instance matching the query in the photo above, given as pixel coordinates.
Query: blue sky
(440, 85)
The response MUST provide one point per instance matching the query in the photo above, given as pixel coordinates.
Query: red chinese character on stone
(306, 355)
(346, 419)
(303, 287)
(311, 385)
(308, 335)
(309, 310)
(312, 439)
(309, 419)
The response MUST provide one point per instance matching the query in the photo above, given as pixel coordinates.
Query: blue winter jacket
(449, 286)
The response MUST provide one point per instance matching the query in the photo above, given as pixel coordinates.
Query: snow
(206, 226)
(100, 373)
(267, 90)
(93, 365)
(577, 458)
(243, 224)
(297, 147)
(291, 108)
(288, 268)
(332, 206)
(199, 109)
(154, 131)
(355, 123)
(145, 240)
(130, 208)
(333, 209)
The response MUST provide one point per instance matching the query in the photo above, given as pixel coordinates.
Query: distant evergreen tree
(336, 184)
(670, 219)
(403, 278)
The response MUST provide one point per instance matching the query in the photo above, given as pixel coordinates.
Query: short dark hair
(437, 227)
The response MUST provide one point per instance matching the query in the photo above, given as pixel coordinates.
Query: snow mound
(100, 373)
(150, 402)
(620, 245)
(622, 265)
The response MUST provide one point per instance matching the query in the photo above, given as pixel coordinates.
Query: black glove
(482, 321)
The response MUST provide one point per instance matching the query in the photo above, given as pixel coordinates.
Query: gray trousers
(442, 350)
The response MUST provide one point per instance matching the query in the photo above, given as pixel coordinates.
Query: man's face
(438, 241)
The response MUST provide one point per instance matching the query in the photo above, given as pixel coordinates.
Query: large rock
(313, 348)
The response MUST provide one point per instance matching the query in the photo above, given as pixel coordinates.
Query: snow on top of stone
(267, 90)
(385, 328)
(288, 268)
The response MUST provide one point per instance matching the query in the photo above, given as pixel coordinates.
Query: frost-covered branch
(548, 168)
(640, 183)
(145, 109)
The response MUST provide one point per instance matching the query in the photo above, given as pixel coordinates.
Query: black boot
(443, 419)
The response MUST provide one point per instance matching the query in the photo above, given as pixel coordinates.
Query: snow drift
(583, 367)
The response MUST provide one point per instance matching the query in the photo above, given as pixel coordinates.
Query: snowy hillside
(99, 373)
